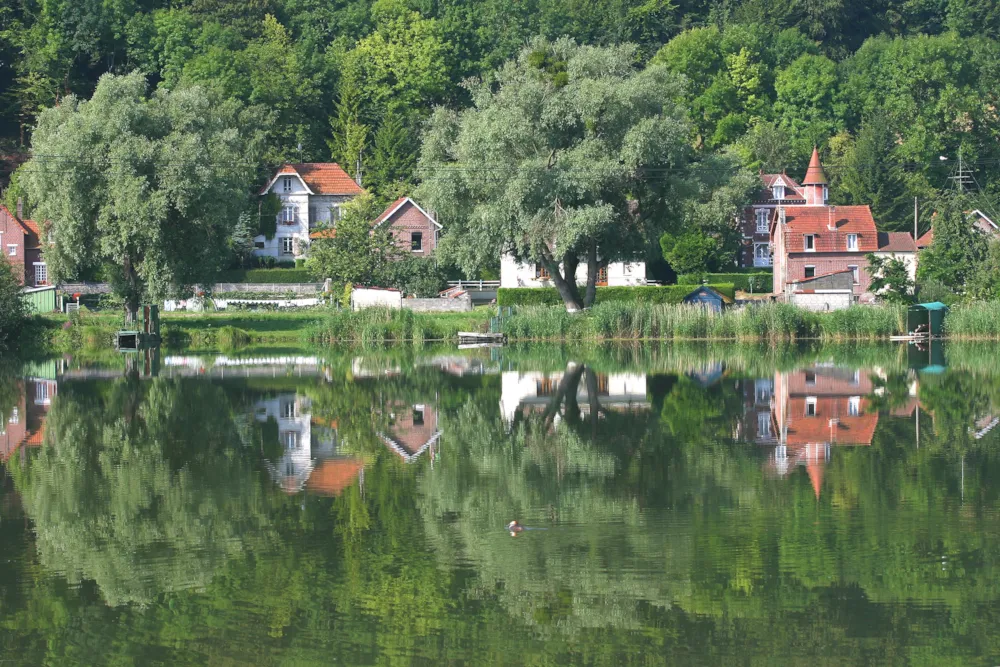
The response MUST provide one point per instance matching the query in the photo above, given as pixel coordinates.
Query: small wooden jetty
(481, 339)
(143, 337)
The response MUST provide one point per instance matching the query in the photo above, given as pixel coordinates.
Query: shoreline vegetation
(612, 321)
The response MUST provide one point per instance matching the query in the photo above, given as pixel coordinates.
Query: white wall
(620, 274)
(363, 297)
(908, 258)
(822, 301)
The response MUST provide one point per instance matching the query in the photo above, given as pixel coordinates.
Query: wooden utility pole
(916, 232)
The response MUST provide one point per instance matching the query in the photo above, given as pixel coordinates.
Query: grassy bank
(768, 322)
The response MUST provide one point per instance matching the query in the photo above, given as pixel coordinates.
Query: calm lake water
(682, 505)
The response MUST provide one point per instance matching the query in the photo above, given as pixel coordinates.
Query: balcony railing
(762, 261)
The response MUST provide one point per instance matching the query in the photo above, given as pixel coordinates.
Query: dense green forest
(771, 77)
(896, 94)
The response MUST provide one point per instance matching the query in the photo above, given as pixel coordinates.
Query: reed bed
(979, 320)
(764, 322)
(379, 325)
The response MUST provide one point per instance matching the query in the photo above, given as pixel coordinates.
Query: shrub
(756, 281)
(266, 276)
(13, 308)
(548, 296)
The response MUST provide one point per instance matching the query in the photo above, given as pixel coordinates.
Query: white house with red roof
(20, 244)
(311, 195)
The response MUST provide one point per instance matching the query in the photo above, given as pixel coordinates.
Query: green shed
(41, 299)
(926, 319)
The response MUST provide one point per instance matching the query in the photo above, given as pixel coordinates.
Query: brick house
(755, 221)
(20, 245)
(816, 409)
(415, 230)
(813, 239)
(311, 196)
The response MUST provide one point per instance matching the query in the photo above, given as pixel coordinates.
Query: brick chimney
(831, 212)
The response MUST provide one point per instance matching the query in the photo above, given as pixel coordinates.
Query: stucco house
(614, 274)
(311, 196)
(20, 245)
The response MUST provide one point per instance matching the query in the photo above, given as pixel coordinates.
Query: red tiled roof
(388, 211)
(331, 477)
(328, 233)
(927, 239)
(814, 174)
(832, 424)
(323, 178)
(815, 220)
(896, 242)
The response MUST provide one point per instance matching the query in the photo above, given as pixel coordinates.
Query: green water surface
(681, 505)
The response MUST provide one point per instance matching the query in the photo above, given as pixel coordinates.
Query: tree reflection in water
(668, 533)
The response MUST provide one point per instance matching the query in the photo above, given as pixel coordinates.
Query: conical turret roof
(814, 174)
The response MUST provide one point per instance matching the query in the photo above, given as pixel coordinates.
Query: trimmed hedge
(548, 296)
(266, 276)
(762, 280)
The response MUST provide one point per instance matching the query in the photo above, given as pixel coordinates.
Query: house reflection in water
(24, 425)
(309, 460)
(528, 392)
(816, 409)
(412, 430)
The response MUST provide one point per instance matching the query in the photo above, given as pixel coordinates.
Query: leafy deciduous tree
(548, 164)
(149, 187)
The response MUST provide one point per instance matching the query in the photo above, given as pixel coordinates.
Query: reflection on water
(682, 504)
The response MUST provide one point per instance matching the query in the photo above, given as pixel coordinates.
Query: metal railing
(475, 284)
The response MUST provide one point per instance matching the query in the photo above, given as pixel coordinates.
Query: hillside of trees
(886, 89)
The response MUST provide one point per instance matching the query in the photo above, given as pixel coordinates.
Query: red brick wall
(12, 232)
(828, 263)
(409, 219)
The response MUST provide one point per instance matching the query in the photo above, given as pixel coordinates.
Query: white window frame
(805, 271)
(290, 241)
(286, 184)
(291, 440)
(420, 236)
(762, 220)
(809, 242)
(810, 406)
(852, 242)
(12, 250)
(45, 270)
(826, 193)
(854, 406)
(288, 212)
(855, 274)
(15, 416)
(764, 424)
(778, 191)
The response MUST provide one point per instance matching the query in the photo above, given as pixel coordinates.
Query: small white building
(615, 274)
(533, 391)
(311, 197)
(295, 433)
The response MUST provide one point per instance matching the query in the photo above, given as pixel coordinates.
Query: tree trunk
(566, 288)
(131, 292)
(567, 385)
(591, 293)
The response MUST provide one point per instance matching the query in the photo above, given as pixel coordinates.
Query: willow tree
(146, 189)
(565, 157)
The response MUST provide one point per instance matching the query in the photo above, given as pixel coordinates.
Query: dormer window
(286, 184)
(826, 193)
(852, 241)
(809, 242)
(778, 191)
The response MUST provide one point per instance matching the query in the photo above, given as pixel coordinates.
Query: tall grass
(767, 322)
(977, 320)
(379, 325)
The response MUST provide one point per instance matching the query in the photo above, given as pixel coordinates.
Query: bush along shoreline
(614, 320)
